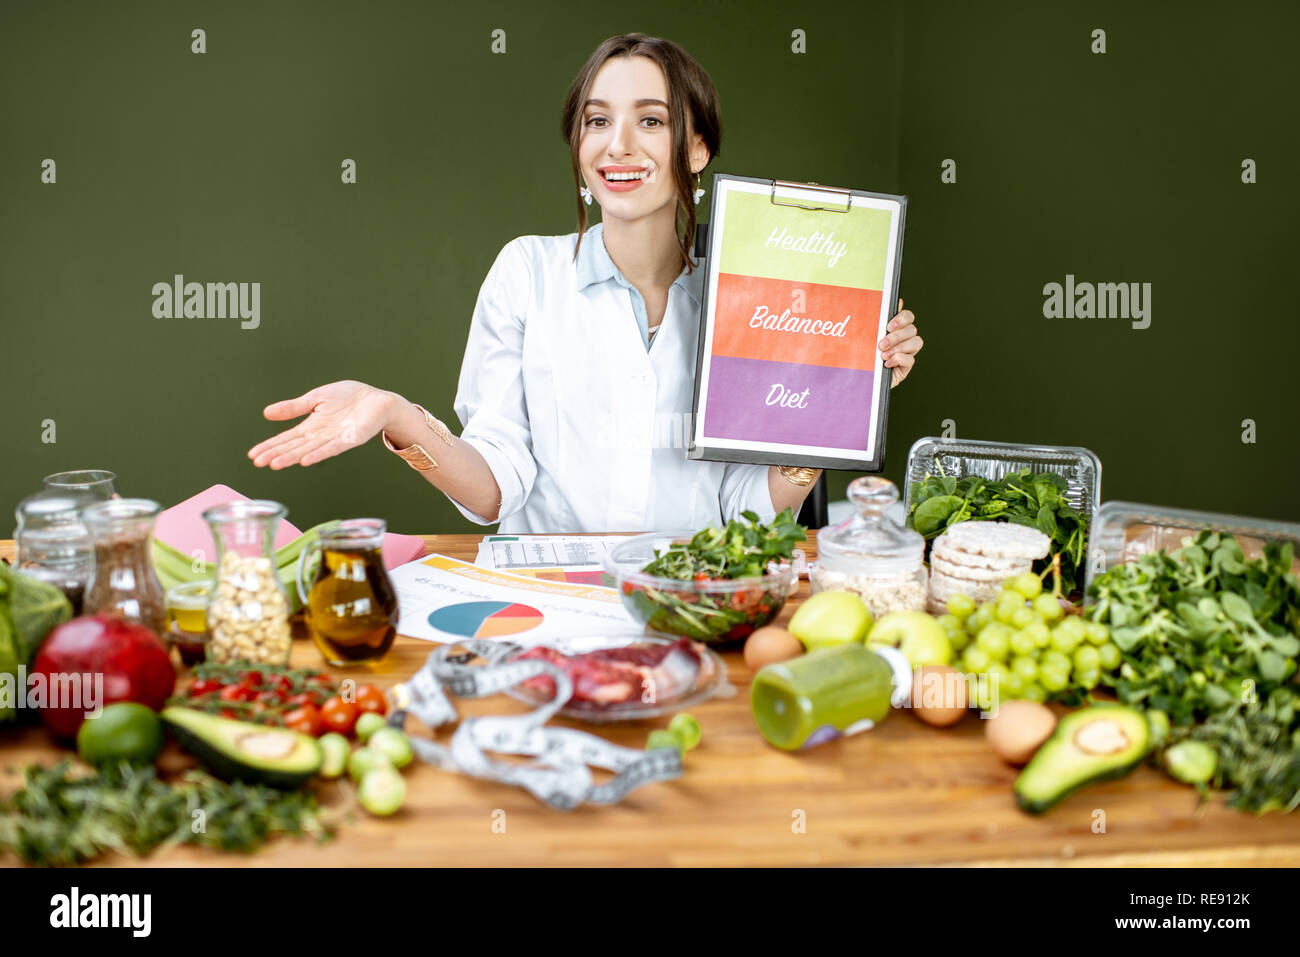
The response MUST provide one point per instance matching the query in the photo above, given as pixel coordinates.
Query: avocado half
(1095, 743)
(243, 751)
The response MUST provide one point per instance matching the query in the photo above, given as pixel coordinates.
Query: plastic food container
(1080, 468)
(1123, 531)
(714, 610)
(871, 554)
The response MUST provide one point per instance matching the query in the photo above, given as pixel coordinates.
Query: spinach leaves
(1025, 498)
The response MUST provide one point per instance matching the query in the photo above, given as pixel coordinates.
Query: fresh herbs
(738, 551)
(1209, 638)
(1258, 752)
(59, 819)
(1202, 627)
(1024, 498)
(724, 613)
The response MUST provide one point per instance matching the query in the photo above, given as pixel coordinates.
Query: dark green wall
(1123, 166)
(225, 167)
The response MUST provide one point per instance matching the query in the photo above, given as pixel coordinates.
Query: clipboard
(800, 282)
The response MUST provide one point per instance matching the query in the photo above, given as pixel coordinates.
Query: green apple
(919, 637)
(831, 618)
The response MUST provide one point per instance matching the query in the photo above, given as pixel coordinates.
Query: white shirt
(582, 420)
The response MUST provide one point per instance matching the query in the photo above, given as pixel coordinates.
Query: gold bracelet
(415, 454)
(798, 476)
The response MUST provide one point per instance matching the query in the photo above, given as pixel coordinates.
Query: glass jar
(187, 620)
(351, 606)
(91, 485)
(124, 582)
(248, 614)
(54, 545)
(871, 554)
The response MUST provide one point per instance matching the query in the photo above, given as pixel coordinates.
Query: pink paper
(183, 528)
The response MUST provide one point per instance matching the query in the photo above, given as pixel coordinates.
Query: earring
(699, 193)
(585, 194)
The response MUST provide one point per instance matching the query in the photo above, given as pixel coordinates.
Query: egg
(939, 695)
(770, 644)
(1018, 729)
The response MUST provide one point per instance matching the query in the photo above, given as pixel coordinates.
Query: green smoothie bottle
(827, 694)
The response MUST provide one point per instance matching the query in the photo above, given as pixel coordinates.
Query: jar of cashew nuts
(248, 614)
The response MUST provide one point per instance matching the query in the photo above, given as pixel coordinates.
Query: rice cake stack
(975, 558)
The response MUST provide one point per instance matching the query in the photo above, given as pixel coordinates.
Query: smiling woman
(580, 343)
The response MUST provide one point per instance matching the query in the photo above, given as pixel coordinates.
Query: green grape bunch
(1027, 646)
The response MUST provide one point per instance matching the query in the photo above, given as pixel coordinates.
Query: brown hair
(690, 94)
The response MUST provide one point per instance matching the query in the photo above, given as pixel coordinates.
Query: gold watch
(416, 456)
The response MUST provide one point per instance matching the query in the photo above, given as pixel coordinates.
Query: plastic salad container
(872, 555)
(1123, 531)
(1080, 467)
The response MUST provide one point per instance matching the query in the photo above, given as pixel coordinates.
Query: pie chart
(485, 619)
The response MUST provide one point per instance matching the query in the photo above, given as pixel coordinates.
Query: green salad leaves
(738, 551)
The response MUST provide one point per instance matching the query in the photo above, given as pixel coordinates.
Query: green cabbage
(29, 609)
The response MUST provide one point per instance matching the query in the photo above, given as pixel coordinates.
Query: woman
(576, 386)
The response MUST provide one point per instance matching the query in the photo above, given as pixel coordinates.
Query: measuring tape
(560, 775)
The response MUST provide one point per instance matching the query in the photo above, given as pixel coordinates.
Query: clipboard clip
(845, 194)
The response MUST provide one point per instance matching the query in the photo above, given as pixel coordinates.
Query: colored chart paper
(444, 599)
(485, 619)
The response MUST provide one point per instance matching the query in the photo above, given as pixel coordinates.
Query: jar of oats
(872, 555)
(248, 609)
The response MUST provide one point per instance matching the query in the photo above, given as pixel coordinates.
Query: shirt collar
(594, 265)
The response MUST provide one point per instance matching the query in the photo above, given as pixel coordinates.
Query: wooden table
(901, 794)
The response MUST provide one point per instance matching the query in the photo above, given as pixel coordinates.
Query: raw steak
(638, 672)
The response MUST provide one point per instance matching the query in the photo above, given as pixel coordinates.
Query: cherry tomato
(203, 686)
(370, 698)
(306, 697)
(628, 588)
(305, 720)
(236, 693)
(251, 679)
(701, 576)
(321, 679)
(227, 713)
(269, 695)
(283, 685)
(339, 715)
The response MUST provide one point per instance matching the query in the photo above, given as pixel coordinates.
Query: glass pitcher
(124, 582)
(248, 613)
(351, 606)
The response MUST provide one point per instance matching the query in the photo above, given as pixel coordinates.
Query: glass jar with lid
(54, 544)
(871, 554)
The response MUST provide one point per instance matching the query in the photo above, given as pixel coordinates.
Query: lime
(394, 745)
(663, 739)
(381, 790)
(368, 724)
(124, 731)
(687, 730)
(364, 760)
